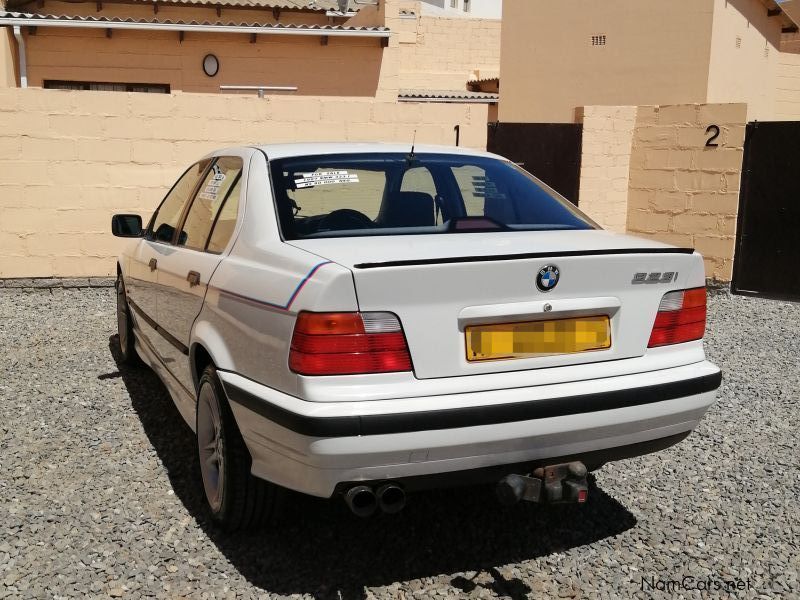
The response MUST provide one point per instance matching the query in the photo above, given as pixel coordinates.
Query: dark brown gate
(550, 151)
(767, 259)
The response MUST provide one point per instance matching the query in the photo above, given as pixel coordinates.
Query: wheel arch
(207, 347)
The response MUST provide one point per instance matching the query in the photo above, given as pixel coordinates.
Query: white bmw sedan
(365, 320)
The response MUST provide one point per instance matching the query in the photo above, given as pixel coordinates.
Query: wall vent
(599, 40)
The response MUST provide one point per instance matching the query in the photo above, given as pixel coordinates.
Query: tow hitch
(553, 484)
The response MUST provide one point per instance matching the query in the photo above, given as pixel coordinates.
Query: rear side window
(164, 222)
(212, 194)
(346, 195)
(226, 221)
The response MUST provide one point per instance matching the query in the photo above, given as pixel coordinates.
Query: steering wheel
(345, 218)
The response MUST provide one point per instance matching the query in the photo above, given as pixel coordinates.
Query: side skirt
(183, 399)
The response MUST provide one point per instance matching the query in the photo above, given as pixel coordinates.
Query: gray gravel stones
(99, 494)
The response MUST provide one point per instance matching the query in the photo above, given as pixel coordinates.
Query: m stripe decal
(282, 307)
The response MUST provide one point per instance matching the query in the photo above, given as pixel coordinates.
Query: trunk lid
(440, 284)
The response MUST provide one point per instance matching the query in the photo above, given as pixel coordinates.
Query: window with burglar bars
(150, 88)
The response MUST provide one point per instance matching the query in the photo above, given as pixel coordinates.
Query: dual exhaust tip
(364, 501)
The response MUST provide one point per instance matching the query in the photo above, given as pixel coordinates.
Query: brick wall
(438, 53)
(605, 164)
(72, 159)
(787, 82)
(681, 191)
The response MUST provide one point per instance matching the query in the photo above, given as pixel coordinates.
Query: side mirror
(127, 226)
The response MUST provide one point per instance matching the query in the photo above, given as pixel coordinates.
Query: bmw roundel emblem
(547, 278)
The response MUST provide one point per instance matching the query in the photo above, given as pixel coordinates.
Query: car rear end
(483, 343)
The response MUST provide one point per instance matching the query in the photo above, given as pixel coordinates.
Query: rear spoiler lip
(500, 257)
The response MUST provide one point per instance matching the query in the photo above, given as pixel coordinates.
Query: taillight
(348, 344)
(681, 318)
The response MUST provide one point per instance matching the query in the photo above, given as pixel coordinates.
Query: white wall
(479, 9)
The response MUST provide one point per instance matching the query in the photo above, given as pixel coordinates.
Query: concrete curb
(45, 283)
(715, 286)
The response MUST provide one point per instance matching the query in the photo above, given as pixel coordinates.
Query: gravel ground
(99, 494)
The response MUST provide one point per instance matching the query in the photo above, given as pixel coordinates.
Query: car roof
(275, 151)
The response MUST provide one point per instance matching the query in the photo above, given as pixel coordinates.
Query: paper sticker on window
(305, 180)
(212, 187)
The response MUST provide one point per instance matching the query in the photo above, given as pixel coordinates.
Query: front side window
(212, 194)
(395, 194)
(162, 228)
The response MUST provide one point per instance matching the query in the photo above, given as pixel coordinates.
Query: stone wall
(72, 159)
(605, 164)
(682, 191)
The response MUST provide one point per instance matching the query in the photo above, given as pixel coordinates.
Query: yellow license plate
(537, 338)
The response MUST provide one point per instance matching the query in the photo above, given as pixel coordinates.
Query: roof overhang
(447, 96)
(790, 10)
(309, 6)
(36, 20)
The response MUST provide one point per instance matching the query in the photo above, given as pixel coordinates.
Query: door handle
(153, 264)
(193, 277)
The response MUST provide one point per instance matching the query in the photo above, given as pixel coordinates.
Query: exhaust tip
(361, 500)
(391, 498)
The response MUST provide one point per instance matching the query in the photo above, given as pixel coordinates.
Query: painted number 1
(710, 141)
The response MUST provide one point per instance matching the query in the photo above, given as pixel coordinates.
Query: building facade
(650, 52)
(103, 104)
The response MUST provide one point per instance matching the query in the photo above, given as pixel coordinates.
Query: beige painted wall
(682, 192)
(605, 164)
(343, 67)
(438, 53)
(656, 52)
(745, 51)
(71, 159)
(787, 80)
(8, 58)
(346, 66)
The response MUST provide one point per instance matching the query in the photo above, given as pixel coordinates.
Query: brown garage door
(767, 259)
(551, 151)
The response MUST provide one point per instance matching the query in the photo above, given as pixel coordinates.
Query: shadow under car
(320, 548)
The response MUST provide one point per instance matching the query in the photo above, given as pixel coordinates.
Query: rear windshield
(346, 195)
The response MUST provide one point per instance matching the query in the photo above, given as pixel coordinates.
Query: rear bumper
(314, 447)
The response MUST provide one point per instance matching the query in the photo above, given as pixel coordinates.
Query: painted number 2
(710, 141)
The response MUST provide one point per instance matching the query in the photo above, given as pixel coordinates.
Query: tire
(236, 499)
(126, 342)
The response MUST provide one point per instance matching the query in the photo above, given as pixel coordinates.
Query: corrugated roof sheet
(323, 29)
(447, 95)
(315, 5)
(485, 80)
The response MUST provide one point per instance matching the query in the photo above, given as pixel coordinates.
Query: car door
(142, 282)
(206, 228)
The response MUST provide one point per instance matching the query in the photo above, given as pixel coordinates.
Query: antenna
(410, 157)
